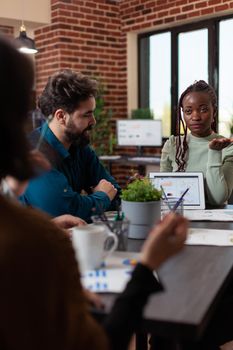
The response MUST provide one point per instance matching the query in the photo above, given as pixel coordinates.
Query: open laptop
(175, 184)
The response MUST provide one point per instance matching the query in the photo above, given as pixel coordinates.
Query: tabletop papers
(202, 236)
(113, 275)
(209, 215)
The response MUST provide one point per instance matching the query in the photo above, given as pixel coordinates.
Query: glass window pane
(160, 79)
(192, 58)
(225, 78)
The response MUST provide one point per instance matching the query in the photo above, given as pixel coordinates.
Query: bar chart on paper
(113, 275)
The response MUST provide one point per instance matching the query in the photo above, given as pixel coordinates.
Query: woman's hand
(219, 144)
(165, 240)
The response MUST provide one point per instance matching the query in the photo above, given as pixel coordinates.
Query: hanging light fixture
(24, 43)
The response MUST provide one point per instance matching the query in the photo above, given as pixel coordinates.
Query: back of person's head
(16, 74)
(42, 303)
(65, 90)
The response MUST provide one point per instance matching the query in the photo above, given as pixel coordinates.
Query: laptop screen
(175, 184)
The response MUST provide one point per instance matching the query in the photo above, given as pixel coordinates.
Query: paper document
(113, 275)
(202, 236)
(209, 215)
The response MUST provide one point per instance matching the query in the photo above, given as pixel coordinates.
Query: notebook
(175, 184)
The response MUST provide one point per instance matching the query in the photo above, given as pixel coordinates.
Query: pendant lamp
(24, 43)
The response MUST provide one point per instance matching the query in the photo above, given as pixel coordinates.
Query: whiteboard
(139, 132)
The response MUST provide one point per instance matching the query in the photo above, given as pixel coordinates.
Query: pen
(165, 197)
(180, 200)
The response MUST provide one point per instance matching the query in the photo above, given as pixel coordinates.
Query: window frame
(212, 25)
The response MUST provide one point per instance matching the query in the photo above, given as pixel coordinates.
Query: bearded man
(68, 102)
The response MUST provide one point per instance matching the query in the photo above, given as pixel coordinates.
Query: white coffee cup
(90, 243)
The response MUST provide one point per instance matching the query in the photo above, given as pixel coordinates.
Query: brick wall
(90, 36)
(85, 36)
(139, 15)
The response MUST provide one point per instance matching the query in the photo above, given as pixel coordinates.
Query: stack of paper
(209, 215)
(202, 236)
(113, 275)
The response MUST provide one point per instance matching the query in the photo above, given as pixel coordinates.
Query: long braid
(182, 145)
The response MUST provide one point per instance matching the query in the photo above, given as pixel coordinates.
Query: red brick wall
(139, 15)
(85, 36)
(90, 36)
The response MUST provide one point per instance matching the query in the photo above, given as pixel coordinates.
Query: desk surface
(193, 280)
(128, 159)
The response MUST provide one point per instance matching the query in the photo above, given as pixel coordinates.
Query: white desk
(151, 163)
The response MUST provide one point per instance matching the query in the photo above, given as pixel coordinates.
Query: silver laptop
(175, 184)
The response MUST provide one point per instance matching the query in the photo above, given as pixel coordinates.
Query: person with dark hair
(202, 149)
(12, 188)
(68, 101)
(13, 87)
(42, 302)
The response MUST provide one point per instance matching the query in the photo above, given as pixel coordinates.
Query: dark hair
(66, 89)
(182, 145)
(16, 74)
(42, 301)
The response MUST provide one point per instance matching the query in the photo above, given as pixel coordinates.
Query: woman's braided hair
(181, 143)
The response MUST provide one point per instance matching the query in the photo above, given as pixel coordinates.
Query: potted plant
(142, 113)
(141, 205)
(231, 126)
(103, 137)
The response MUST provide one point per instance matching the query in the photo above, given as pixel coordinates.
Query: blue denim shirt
(58, 191)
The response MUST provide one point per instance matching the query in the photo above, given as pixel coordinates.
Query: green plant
(231, 126)
(102, 137)
(141, 190)
(142, 113)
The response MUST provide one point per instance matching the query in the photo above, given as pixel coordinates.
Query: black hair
(16, 72)
(181, 144)
(66, 89)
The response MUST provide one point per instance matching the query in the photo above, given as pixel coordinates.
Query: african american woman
(201, 149)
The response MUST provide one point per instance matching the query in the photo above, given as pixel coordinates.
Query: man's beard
(80, 140)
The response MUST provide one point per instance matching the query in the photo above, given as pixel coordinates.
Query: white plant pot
(142, 216)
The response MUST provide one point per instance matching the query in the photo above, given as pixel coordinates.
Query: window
(171, 60)
(190, 55)
(225, 77)
(160, 79)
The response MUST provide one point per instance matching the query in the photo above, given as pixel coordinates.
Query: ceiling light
(24, 43)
